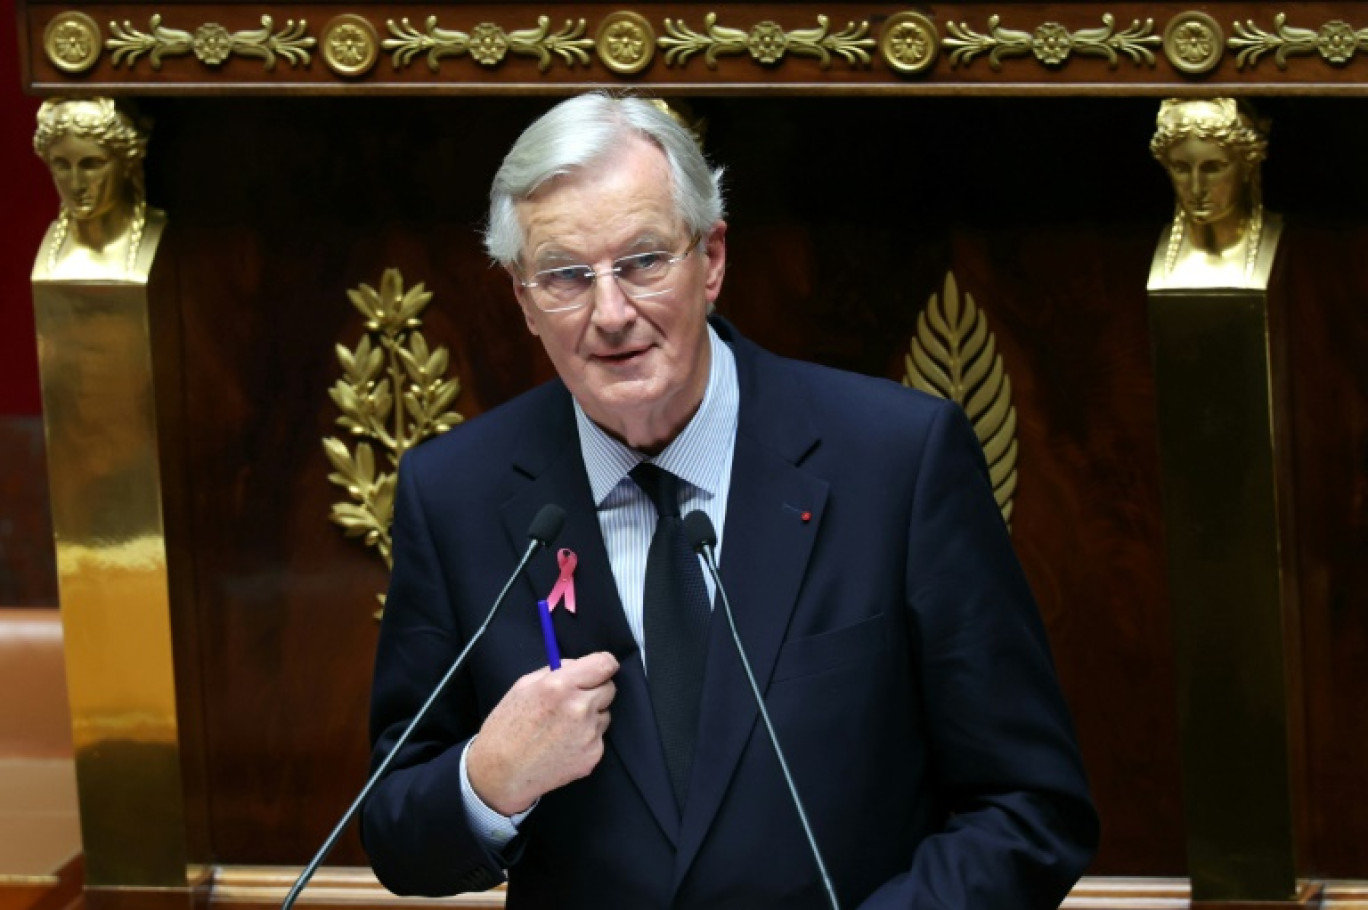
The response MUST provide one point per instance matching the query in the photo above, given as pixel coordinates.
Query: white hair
(579, 133)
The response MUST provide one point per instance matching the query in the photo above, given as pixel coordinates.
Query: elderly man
(887, 621)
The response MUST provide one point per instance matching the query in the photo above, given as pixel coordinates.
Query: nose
(612, 309)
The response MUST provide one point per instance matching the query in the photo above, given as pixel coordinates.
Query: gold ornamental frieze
(1336, 41)
(211, 43)
(488, 43)
(71, 42)
(626, 42)
(767, 42)
(1052, 43)
(393, 394)
(953, 355)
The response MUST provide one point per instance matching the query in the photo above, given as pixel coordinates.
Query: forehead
(1194, 149)
(73, 148)
(621, 200)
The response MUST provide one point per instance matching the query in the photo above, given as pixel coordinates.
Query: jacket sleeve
(414, 825)
(1020, 826)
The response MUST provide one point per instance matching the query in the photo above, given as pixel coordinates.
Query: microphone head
(546, 527)
(698, 528)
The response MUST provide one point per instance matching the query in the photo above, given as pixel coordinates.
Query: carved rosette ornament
(767, 42)
(211, 43)
(488, 44)
(1052, 44)
(72, 42)
(625, 42)
(393, 394)
(1336, 41)
(350, 45)
(1193, 43)
(953, 355)
(909, 43)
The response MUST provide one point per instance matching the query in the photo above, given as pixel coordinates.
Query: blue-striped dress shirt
(701, 456)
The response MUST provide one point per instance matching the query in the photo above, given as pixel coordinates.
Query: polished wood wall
(846, 214)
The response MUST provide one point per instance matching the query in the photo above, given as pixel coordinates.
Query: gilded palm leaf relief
(954, 355)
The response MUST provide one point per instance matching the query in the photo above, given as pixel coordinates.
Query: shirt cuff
(492, 828)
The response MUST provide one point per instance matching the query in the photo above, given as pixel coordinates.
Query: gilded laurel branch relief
(954, 355)
(767, 42)
(487, 43)
(211, 43)
(393, 394)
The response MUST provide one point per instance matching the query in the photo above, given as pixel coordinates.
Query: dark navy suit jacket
(888, 622)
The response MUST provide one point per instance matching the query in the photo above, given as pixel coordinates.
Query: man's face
(638, 367)
(1208, 183)
(88, 179)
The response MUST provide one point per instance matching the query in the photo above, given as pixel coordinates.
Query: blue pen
(548, 636)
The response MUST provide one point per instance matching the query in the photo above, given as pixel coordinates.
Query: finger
(603, 696)
(528, 679)
(592, 670)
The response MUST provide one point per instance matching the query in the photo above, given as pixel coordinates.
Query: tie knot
(660, 485)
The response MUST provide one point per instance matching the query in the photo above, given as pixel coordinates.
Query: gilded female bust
(104, 230)
(1220, 236)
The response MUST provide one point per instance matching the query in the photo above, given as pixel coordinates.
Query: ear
(714, 249)
(529, 309)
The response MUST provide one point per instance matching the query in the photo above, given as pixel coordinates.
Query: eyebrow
(647, 241)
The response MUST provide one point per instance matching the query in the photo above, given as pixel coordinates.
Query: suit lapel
(550, 458)
(766, 545)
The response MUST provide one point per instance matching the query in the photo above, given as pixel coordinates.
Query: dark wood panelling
(846, 215)
(1329, 349)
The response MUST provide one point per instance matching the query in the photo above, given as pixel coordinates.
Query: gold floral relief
(1336, 41)
(909, 43)
(487, 43)
(953, 355)
(625, 42)
(767, 42)
(1193, 42)
(350, 45)
(211, 43)
(71, 42)
(1052, 43)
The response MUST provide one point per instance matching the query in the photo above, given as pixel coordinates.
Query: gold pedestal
(1232, 605)
(95, 354)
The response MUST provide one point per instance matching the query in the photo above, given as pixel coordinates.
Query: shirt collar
(691, 455)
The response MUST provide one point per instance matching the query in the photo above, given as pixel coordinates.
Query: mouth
(619, 358)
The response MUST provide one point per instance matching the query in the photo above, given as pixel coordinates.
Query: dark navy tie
(675, 617)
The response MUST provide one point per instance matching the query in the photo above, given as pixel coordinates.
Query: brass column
(1215, 373)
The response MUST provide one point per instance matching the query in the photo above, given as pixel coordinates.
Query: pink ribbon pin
(565, 585)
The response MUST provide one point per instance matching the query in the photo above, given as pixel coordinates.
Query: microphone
(545, 528)
(698, 528)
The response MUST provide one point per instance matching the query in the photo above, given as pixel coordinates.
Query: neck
(1216, 237)
(100, 231)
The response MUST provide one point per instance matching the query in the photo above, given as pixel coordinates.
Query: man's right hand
(544, 733)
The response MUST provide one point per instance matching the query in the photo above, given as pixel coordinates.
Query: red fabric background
(27, 203)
